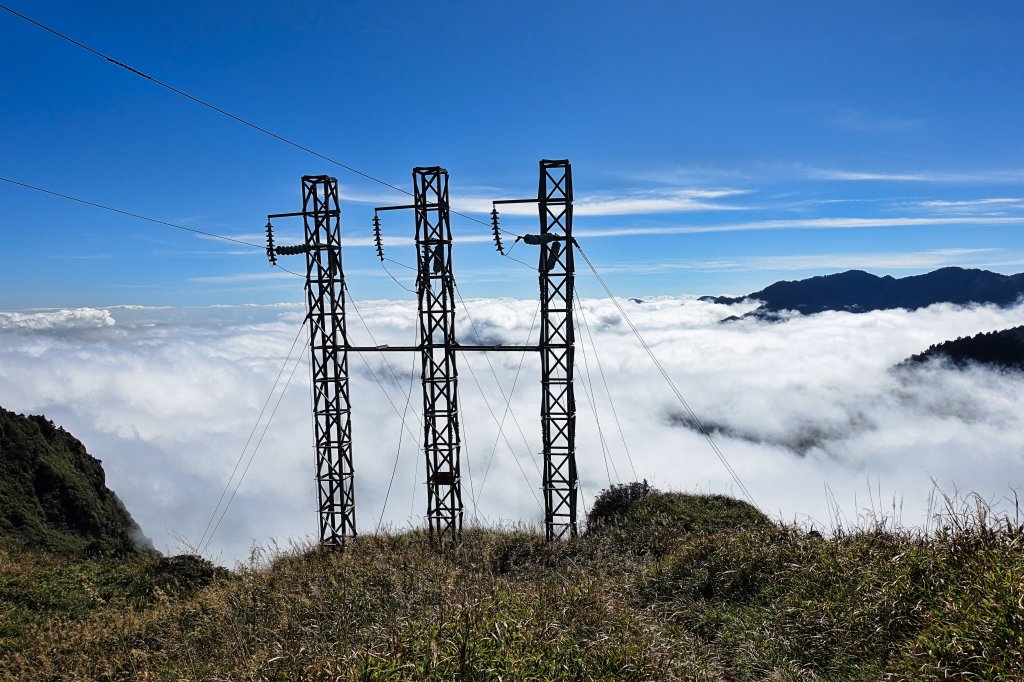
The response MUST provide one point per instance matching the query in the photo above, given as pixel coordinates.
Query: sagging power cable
(248, 441)
(607, 389)
(668, 379)
(252, 455)
(588, 390)
(508, 405)
(130, 214)
(223, 112)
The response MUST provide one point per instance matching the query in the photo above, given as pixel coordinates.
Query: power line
(668, 379)
(219, 110)
(129, 213)
(391, 369)
(591, 398)
(494, 374)
(508, 404)
(487, 403)
(398, 452)
(255, 426)
(252, 456)
(607, 389)
(195, 99)
(233, 117)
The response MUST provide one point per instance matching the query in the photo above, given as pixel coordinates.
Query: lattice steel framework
(325, 300)
(557, 343)
(436, 294)
(435, 289)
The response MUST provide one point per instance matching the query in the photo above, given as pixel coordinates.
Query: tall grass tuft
(672, 587)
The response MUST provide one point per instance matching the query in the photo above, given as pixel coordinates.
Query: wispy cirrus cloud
(756, 175)
(851, 119)
(993, 206)
(1013, 175)
(910, 260)
(971, 203)
(748, 226)
(638, 202)
(799, 224)
(241, 277)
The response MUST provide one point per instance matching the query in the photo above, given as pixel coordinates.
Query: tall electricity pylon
(435, 292)
(556, 270)
(328, 345)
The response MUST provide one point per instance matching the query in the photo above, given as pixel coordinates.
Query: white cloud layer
(166, 397)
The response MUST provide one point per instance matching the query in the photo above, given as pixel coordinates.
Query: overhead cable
(241, 455)
(219, 110)
(607, 389)
(129, 213)
(252, 455)
(668, 379)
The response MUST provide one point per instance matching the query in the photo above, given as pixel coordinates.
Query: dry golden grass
(753, 603)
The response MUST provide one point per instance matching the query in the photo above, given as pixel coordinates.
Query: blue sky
(716, 147)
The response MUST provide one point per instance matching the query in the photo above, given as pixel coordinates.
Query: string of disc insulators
(274, 251)
(271, 253)
(497, 231)
(377, 239)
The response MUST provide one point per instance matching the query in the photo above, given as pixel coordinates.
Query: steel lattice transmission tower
(556, 270)
(558, 344)
(435, 292)
(328, 342)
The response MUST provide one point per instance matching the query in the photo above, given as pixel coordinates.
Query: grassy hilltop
(663, 586)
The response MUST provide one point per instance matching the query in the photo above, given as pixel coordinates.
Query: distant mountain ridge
(997, 349)
(53, 494)
(858, 291)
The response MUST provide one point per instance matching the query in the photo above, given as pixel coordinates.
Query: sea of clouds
(809, 412)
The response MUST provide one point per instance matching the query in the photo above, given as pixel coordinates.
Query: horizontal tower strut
(417, 349)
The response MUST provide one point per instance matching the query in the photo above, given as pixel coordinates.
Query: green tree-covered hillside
(53, 494)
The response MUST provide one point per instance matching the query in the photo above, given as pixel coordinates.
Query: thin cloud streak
(799, 224)
(851, 119)
(609, 204)
(763, 225)
(984, 176)
(920, 260)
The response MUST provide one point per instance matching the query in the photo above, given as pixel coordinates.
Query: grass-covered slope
(642, 598)
(53, 494)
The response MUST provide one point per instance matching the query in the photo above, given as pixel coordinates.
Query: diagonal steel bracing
(557, 344)
(436, 293)
(557, 341)
(435, 290)
(328, 341)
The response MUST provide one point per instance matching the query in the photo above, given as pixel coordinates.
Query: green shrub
(643, 520)
(612, 504)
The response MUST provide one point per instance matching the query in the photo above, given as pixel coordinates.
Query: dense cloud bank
(805, 410)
